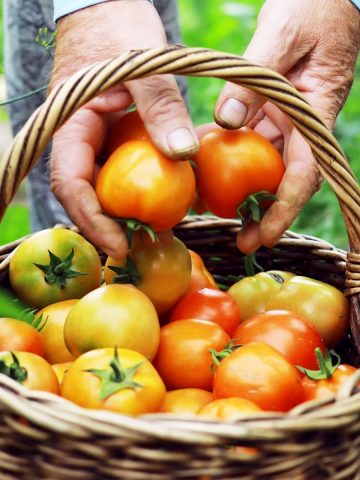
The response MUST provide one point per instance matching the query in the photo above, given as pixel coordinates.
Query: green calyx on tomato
(126, 274)
(217, 356)
(116, 378)
(132, 225)
(252, 209)
(14, 371)
(328, 365)
(58, 270)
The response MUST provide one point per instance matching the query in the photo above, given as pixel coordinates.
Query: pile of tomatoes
(151, 331)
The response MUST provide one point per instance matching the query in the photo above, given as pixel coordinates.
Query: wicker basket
(45, 437)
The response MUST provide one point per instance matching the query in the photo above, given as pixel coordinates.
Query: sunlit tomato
(231, 165)
(183, 359)
(128, 127)
(200, 275)
(252, 293)
(288, 333)
(321, 304)
(54, 265)
(31, 370)
(52, 331)
(231, 408)
(186, 401)
(124, 382)
(260, 374)
(209, 304)
(113, 315)
(162, 271)
(20, 336)
(60, 370)
(140, 183)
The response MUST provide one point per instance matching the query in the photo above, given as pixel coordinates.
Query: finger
(271, 132)
(248, 240)
(72, 173)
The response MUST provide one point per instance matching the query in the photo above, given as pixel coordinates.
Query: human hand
(315, 45)
(84, 38)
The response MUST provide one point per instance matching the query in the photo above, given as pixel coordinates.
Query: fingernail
(181, 141)
(232, 113)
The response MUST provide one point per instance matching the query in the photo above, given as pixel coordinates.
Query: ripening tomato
(252, 293)
(185, 401)
(113, 315)
(139, 182)
(60, 370)
(128, 127)
(122, 381)
(20, 336)
(321, 304)
(52, 331)
(53, 265)
(159, 269)
(209, 304)
(29, 369)
(260, 374)
(231, 165)
(288, 333)
(183, 359)
(200, 275)
(232, 408)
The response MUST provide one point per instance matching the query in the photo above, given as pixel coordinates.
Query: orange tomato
(185, 401)
(231, 408)
(16, 335)
(200, 275)
(128, 127)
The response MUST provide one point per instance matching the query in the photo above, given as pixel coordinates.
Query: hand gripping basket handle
(65, 99)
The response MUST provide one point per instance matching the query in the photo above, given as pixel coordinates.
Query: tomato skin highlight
(291, 335)
(138, 182)
(113, 315)
(259, 373)
(209, 304)
(231, 408)
(128, 127)
(185, 401)
(183, 359)
(16, 335)
(231, 165)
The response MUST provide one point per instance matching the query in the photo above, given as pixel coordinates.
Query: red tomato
(128, 127)
(200, 276)
(232, 408)
(185, 401)
(183, 359)
(138, 182)
(20, 336)
(231, 165)
(209, 304)
(260, 374)
(289, 334)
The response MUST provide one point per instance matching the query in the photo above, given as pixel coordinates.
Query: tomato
(321, 304)
(60, 370)
(208, 304)
(29, 369)
(288, 333)
(231, 165)
(124, 381)
(200, 275)
(252, 293)
(128, 127)
(54, 265)
(21, 336)
(113, 315)
(185, 401)
(232, 408)
(138, 182)
(183, 359)
(260, 374)
(52, 331)
(162, 271)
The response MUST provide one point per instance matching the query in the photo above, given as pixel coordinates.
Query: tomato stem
(127, 274)
(218, 356)
(132, 225)
(58, 271)
(327, 367)
(250, 264)
(252, 209)
(14, 370)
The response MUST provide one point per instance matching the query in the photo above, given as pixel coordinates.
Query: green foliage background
(227, 26)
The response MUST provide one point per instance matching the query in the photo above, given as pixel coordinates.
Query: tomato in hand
(127, 127)
(259, 373)
(139, 182)
(200, 275)
(20, 336)
(183, 359)
(120, 380)
(233, 164)
(185, 401)
(113, 315)
(252, 293)
(321, 304)
(288, 333)
(53, 265)
(209, 304)
(232, 408)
